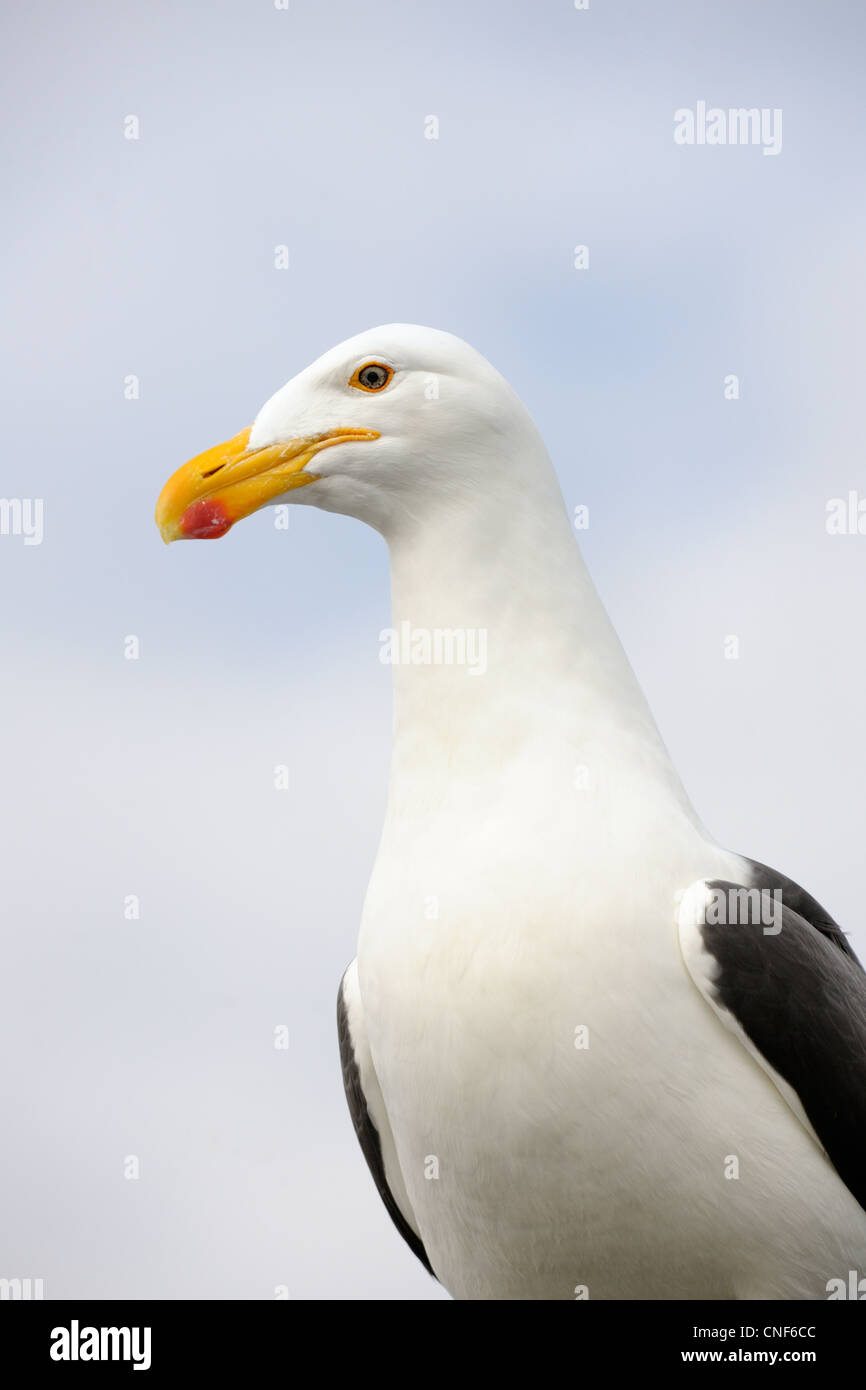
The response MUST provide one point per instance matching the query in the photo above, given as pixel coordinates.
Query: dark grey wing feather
(799, 994)
(800, 901)
(368, 1136)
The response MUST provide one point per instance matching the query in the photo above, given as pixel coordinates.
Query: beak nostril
(210, 472)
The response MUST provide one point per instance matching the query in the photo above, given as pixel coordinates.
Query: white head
(389, 426)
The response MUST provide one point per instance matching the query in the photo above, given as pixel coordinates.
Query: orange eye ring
(372, 376)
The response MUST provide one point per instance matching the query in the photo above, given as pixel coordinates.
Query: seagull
(588, 1052)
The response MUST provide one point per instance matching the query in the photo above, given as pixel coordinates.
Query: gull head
(389, 425)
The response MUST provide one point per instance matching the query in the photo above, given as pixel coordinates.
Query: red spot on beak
(205, 520)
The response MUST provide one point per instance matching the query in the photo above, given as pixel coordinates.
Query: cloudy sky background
(305, 127)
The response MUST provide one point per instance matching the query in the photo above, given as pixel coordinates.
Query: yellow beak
(205, 497)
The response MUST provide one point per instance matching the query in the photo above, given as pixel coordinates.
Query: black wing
(368, 1135)
(798, 992)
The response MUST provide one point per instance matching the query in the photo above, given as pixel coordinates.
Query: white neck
(553, 688)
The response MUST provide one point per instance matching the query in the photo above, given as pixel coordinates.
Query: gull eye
(373, 376)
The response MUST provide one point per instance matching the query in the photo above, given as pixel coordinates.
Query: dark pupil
(373, 376)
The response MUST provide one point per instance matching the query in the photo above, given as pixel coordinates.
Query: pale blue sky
(155, 257)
